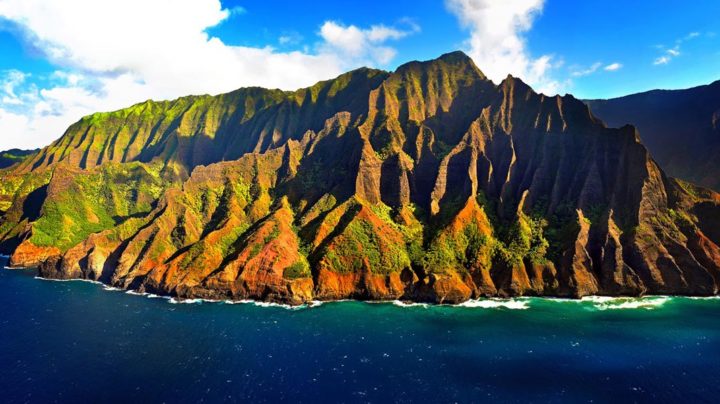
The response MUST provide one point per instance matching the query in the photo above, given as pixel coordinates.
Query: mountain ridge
(429, 183)
(11, 157)
(679, 127)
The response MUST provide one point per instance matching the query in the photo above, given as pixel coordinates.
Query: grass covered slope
(429, 183)
(200, 130)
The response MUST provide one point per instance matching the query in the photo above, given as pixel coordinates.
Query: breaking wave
(512, 304)
(273, 304)
(400, 303)
(70, 280)
(619, 303)
(173, 300)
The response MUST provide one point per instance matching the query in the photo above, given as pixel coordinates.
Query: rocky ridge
(681, 128)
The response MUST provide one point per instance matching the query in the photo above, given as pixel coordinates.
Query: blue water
(77, 342)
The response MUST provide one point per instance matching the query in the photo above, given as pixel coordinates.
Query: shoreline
(600, 302)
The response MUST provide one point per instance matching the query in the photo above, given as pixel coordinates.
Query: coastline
(597, 302)
(601, 302)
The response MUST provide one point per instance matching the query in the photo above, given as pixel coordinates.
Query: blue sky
(62, 59)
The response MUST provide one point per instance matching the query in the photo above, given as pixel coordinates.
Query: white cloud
(496, 42)
(9, 81)
(669, 55)
(585, 72)
(115, 53)
(290, 38)
(672, 53)
(46, 113)
(364, 45)
(578, 71)
(662, 60)
(237, 10)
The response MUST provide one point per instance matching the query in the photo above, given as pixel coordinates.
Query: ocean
(77, 341)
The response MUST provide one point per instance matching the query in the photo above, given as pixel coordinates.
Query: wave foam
(70, 280)
(400, 303)
(521, 303)
(512, 304)
(272, 304)
(173, 300)
(143, 294)
(619, 303)
(598, 299)
(716, 297)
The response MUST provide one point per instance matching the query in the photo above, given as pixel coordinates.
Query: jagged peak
(456, 57)
(631, 130)
(512, 82)
(457, 60)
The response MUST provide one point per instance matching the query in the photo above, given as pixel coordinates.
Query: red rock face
(429, 183)
(30, 255)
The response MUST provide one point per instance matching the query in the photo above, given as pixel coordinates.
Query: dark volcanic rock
(681, 128)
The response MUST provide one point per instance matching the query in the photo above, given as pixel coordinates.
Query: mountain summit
(429, 183)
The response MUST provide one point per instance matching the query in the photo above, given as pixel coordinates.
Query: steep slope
(429, 183)
(176, 136)
(197, 130)
(681, 128)
(8, 186)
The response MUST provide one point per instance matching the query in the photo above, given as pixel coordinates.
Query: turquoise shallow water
(78, 342)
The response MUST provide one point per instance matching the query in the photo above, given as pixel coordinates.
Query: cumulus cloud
(9, 81)
(45, 113)
(364, 45)
(612, 67)
(496, 41)
(114, 53)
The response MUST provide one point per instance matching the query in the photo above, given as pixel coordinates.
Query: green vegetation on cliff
(80, 203)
